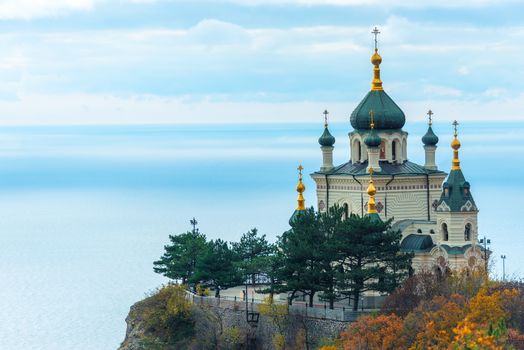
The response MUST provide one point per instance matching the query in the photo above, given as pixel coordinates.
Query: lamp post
(503, 257)
(485, 242)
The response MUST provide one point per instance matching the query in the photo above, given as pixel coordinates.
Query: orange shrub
(369, 333)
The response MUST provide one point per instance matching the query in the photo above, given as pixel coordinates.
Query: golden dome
(300, 187)
(371, 189)
(455, 144)
(376, 59)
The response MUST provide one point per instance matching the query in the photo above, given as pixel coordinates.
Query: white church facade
(434, 210)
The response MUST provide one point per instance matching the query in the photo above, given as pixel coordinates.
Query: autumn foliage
(431, 312)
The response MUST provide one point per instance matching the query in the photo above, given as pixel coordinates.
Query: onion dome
(430, 139)
(326, 139)
(388, 116)
(372, 140)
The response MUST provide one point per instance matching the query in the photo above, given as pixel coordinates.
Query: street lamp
(485, 242)
(503, 257)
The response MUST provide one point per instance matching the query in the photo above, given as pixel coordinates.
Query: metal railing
(319, 311)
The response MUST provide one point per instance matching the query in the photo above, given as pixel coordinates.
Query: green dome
(430, 139)
(326, 139)
(372, 140)
(387, 114)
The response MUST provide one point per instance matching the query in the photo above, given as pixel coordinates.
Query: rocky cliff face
(222, 327)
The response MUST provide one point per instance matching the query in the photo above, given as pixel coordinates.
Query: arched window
(346, 211)
(394, 150)
(467, 232)
(445, 235)
(382, 149)
(358, 152)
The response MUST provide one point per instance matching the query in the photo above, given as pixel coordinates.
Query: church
(434, 210)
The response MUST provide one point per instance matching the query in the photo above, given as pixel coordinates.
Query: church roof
(360, 169)
(456, 194)
(416, 243)
(455, 250)
(387, 114)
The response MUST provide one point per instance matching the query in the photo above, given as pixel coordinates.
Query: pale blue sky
(147, 61)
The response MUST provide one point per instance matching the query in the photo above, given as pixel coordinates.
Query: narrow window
(394, 150)
(467, 232)
(346, 211)
(445, 235)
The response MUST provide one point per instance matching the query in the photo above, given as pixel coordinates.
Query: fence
(321, 311)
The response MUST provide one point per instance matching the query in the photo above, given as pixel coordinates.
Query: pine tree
(303, 262)
(180, 257)
(252, 250)
(370, 257)
(217, 267)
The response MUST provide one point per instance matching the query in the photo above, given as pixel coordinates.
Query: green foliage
(252, 252)
(180, 257)
(216, 267)
(323, 253)
(307, 254)
(369, 252)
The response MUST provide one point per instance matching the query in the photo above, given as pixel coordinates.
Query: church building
(434, 210)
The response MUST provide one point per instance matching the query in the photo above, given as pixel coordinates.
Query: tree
(252, 251)
(180, 257)
(301, 248)
(370, 257)
(216, 267)
(329, 223)
(271, 267)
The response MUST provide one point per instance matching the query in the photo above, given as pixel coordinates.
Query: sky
(255, 61)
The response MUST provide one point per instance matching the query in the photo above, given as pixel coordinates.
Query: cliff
(164, 322)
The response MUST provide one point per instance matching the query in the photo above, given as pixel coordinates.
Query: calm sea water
(84, 211)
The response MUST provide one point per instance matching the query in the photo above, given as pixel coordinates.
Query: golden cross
(376, 32)
(455, 124)
(325, 118)
(430, 114)
(300, 168)
(372, 119)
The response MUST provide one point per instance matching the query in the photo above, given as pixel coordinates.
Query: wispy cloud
(29, 9)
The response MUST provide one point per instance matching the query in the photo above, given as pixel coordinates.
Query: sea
(85, 210)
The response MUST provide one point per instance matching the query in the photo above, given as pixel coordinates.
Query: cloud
(383, 4)
(29, 9)
(79, 109)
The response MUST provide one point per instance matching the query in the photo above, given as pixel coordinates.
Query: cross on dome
(376, 32)
(300, 168)
(455, 124)
(372, 119)
(430, 115)
(325, 118)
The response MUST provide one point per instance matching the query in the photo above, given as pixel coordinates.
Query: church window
(346, 211)
(432, 232)
(382, 150)
(467, 232)
(359, 152)
(394, 150)
(445, 235)
(419, 231)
